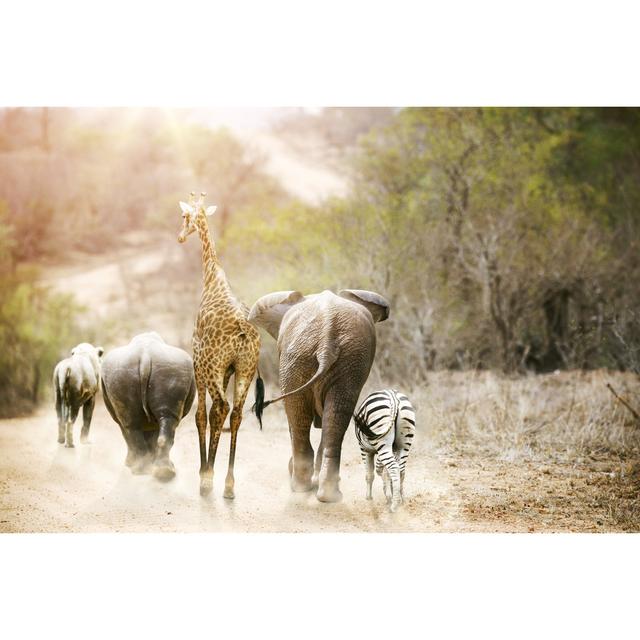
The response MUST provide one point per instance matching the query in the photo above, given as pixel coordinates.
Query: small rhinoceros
(76, 380)
(148, 387)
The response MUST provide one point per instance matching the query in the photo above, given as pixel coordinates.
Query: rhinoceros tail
(145, 374)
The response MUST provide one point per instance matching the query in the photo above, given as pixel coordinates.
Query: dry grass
(562, 417)
(565, 425)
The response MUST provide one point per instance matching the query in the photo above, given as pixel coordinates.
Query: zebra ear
(268, 311)
(375, 303)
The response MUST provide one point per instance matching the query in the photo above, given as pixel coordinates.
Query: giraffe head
(191, 211)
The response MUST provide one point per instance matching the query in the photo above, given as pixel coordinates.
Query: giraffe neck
(212, 272)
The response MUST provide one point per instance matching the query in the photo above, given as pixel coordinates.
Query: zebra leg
(393, 471)
(402, 461)
(402, 456)
(391, 475)
(367, 458)
(384, 476)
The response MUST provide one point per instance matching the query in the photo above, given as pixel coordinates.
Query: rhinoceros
(148, 387)
(76, 380)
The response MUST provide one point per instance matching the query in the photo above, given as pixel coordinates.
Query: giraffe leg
(201, 424)
(241, 388)
(217, 415)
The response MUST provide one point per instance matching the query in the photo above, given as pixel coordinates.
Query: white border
(318, 53)
(289, 53)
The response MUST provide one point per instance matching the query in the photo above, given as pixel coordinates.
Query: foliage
(503, 238)
(36, 330)
(492, 232)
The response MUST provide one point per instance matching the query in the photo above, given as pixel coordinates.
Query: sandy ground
(45, 487)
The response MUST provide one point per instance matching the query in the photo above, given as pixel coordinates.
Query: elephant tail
(259, 405)
(325, 362)
(145, 374)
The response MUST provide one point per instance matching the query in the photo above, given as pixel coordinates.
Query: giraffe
(224, 343)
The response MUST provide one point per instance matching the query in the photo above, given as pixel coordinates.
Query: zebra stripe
(385, 426)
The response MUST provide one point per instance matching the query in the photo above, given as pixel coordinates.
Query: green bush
(37, 329)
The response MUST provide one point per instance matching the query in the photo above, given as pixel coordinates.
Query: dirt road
(45, 487)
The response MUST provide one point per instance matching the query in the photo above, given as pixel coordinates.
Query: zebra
(385, 426)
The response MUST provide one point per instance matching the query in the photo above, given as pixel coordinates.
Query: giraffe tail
(259, 404)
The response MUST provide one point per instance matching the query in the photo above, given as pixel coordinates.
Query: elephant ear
(268, 311)
(376, 304)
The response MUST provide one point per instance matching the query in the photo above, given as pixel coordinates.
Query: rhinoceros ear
(375, 303)
(268, 311)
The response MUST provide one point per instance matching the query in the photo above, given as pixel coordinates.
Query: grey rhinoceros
(148, 387)
(76, 380)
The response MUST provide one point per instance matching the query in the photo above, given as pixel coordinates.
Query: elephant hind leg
(338, 409)
(318, 463)
(300, 415)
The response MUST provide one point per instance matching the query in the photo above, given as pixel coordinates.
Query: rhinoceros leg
(136, 441)
(87, 413)
(60, 412)
(72, 414)
(163, 468)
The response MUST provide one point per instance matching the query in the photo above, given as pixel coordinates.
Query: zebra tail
(362, 426)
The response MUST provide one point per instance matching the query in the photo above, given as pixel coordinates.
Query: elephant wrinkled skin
(148, 387)
(326, 343)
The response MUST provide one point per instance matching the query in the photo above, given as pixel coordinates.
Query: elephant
(326, 345)
(148, 387)
(76, 381)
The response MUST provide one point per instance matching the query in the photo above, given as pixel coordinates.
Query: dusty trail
(47, 488)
